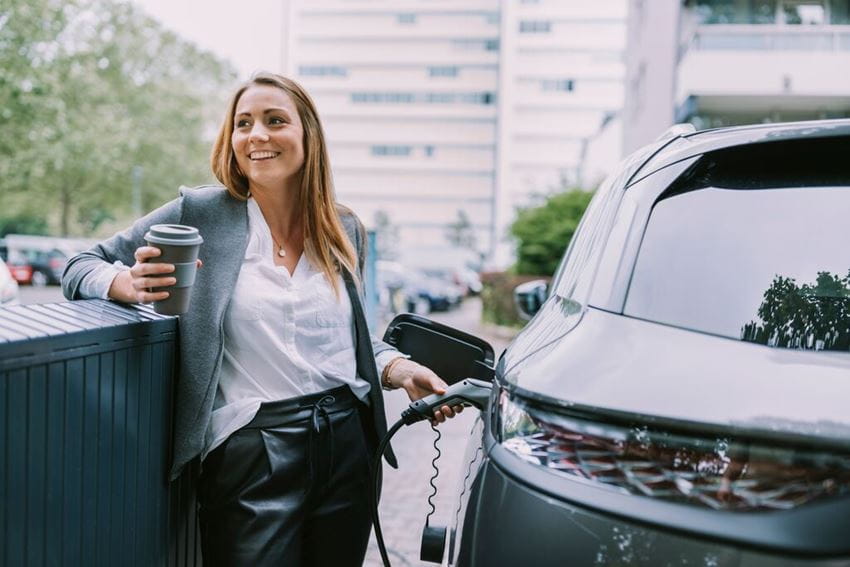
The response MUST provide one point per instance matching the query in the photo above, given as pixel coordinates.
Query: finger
(436, 384)
(200, 263)
(457, 409)
(142, 253)
(145, 283)
(141, 270)
(447, 411)
(439, 417)
(148, 296)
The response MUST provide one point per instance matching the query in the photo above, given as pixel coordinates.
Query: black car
(680, 397)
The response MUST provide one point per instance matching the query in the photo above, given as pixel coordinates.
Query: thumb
(437, 385)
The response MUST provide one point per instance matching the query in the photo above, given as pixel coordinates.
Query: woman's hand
(419, 381)
(134, 285)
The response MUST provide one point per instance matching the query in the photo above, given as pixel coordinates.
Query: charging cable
(469, 392)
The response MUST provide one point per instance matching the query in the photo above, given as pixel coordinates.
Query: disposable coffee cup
(179, 245)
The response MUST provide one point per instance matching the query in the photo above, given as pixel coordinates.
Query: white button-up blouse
(286, 335)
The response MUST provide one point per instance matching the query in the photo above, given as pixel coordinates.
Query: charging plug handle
(471, 391)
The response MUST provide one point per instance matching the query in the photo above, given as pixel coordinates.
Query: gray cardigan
(223, 222)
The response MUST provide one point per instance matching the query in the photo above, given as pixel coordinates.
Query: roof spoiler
(677, 130)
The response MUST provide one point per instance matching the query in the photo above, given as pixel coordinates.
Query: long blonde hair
(325, 239)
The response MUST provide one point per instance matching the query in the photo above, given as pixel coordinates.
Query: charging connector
(470, 392)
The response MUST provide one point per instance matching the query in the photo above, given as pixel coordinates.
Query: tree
(461, 233)
(804, 316)
(544, 232)
(94, 89)
(386, 237)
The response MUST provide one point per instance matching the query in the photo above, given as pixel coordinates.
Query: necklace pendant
(281, 253)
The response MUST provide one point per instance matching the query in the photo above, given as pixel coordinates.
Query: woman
(279, 388)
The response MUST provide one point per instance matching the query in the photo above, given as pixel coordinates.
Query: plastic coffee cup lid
(174, 234)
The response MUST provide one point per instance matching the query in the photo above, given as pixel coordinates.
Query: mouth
(260, 156)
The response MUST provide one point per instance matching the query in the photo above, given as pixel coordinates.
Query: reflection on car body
(680, 397)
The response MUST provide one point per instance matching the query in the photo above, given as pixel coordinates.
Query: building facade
(455, 112)
(725, 62)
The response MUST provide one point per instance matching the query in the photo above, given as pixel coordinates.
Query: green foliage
(22, 224)
(804, 316)
(89, 89)
(497, 298)
(544, 232)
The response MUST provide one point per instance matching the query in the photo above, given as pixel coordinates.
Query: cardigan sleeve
(88, 272)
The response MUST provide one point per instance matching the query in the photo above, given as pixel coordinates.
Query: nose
(258, 133)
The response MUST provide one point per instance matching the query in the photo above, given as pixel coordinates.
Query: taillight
(722, 473)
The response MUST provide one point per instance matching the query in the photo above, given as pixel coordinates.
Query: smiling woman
(279, 393)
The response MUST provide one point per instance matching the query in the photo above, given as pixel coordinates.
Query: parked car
(39, 260)
(47, 265)
(19, 267)
(680, 395)
(9, 294)
(425, 293)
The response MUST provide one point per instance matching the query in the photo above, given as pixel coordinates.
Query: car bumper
(515, 513)
(511, 523)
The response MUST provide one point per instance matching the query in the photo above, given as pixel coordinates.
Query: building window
(383, 97)
(322, 71)
(406, 18)
(429, 151)
(476, 44)
(564, 85)
(493, 18)
(391, 150)
(448, 71)
(803, 13)
(535, 26)
(424, 98)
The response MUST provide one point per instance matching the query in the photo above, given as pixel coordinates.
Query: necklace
(280, 251)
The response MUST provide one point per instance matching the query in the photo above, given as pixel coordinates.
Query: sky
(247, 32)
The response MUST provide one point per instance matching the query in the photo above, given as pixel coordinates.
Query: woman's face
(267, 137)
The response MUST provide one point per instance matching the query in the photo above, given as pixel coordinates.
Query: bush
(544, 232)
(497, 298)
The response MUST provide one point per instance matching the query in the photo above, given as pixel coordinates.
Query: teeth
(263, 155)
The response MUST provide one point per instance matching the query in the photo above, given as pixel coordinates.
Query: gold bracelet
(385, 376)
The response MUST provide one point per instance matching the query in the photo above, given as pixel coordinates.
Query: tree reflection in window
(808, 316)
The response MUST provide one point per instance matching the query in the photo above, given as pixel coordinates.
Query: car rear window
(750, 255)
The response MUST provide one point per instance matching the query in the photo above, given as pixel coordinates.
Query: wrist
(388, 373)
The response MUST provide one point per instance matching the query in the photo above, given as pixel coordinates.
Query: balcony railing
(768, 38)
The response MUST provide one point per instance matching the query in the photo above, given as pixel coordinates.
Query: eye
(276, 120)
(242, 123)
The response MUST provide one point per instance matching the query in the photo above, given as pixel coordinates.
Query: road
(405, 491)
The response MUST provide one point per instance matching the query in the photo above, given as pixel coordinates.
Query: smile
(256, 156)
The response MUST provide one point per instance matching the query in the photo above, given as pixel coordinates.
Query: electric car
(681, 394)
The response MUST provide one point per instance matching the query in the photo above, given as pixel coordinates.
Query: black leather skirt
(291, 488)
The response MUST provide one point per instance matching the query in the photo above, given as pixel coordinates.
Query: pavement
(404, 501)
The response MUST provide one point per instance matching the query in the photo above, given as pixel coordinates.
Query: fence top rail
(26, 322)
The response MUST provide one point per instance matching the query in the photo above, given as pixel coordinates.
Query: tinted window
(768, 265)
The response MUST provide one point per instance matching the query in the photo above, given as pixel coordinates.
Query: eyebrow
(266, 111)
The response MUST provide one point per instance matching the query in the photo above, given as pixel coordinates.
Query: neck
(281, 209)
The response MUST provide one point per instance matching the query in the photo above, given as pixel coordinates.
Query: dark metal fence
(85, 418)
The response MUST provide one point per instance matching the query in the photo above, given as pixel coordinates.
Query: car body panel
(580, 357)
(518, 524)
(689, 145)
(674, 374)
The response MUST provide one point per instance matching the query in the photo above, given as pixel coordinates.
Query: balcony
(764, 71)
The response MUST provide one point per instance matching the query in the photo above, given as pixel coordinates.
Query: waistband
(281, 412)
